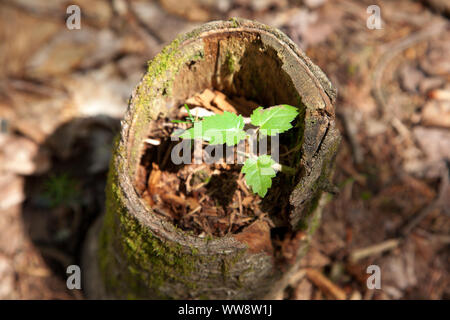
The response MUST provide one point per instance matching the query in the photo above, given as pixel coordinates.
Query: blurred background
(63, 92)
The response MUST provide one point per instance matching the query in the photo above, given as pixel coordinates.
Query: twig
(294, 149)
(243, 187)
(297, 276)
(202, 199)
(240, 202)
(193, 211)
(188, 180)
(378, 248)
(152, 142)
(325, 285)
(232, 215)
(439, 199)
(56, 254)
(440, 94)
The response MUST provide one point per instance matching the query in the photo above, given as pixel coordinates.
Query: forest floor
(63, 92)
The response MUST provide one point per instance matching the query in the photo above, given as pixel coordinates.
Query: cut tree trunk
(133, 252)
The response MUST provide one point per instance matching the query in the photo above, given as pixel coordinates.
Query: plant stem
(277, 167)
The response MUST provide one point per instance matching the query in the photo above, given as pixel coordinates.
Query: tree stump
(132, 252)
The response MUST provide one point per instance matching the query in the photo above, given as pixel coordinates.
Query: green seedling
(228, 129)
(190, 118)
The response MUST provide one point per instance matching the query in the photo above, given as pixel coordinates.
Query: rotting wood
(133, 252)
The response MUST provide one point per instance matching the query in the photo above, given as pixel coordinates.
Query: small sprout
(180, 121)
(259, 173)
(223, 128)
(189, 113)
(191, 118)
(228, 128)
(61, 190)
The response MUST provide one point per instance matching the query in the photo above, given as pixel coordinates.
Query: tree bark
(133, 253)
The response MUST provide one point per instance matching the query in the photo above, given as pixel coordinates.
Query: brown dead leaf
(257, 237)
(204, 100)
(436, 113)
(153, 179)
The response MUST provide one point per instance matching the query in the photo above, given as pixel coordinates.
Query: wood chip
(232, 215)
(153, 179)
(152, 142)
(247, 201)
(176, 193)
(243, 187)
(436, 113)
(204, 100)
(373, 250)
(325, 285)
(172, 198)
(194, 211)
(221, 102)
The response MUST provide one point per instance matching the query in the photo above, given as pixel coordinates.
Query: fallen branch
(378, 248)
(325, 285)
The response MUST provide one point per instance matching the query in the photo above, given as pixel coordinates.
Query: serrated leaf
(218, 129)
(259, 173)
(274, 120)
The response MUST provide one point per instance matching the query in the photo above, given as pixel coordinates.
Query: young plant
(228, 129)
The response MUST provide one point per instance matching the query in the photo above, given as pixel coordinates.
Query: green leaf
(189, 113)
(218, 129)
(274, 120)
(259, 173)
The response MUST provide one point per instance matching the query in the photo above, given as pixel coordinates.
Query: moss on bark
(139, 254)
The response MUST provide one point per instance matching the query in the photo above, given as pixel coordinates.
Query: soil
(207, 199)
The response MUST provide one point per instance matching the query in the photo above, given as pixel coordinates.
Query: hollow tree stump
(132, 252)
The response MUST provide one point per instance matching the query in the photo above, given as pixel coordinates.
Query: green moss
(61, 190)
(156, 86)
(308, 222)
(228, 263)
(225, 268)
(136, 264)
(234, 22)
(142, 249)
(150, 262)
(230, 62)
